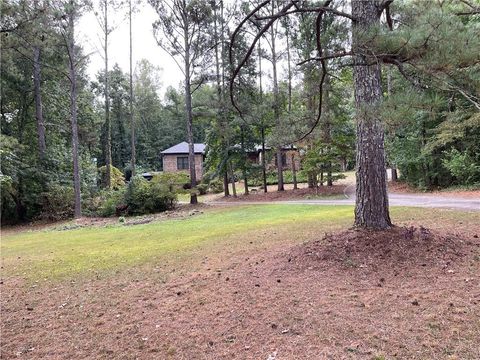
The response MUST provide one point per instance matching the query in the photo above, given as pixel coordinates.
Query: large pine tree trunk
(73, 115)
(371, 206)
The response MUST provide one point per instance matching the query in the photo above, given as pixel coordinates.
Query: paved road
(395, 199)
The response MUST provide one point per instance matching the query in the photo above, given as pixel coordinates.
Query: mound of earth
(388, 250)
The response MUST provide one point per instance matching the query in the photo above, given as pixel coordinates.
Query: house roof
(182, 148)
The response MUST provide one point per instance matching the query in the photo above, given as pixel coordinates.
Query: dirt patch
(304, 193)
(401, 187)
(406, 293)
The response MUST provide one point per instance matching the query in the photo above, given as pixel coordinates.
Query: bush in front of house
(202, 189)
(216, 186)
(146, 197)
(176, 182)
(139, 197)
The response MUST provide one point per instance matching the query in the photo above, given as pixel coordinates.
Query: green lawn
(53, 253)
(57, 254)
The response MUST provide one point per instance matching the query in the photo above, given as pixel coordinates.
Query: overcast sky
(144, 44)
(89, 35)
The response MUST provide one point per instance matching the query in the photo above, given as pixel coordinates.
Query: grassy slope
(57, 254)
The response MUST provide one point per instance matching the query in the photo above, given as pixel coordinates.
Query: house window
(182, 162)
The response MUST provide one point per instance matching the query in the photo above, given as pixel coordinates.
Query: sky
(89, 35)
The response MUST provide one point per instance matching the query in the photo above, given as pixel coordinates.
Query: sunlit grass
(56, 254)
(59, 253)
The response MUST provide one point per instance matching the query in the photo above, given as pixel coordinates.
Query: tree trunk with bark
(232, 179)
(108, 124)
(262, 129)
(289, 68)
(132, 119)
(220, 94)
(294, 173)
(371, 205)
(327, 128)
(264, 162)
(245, 159)
(73, 113)
(189, 118)
(38, 97)
(38, 103)
(394, 174)
(276, 104)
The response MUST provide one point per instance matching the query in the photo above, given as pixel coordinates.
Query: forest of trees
(352, 83)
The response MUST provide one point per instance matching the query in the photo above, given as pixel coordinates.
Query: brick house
(175, 158)
(290, 155)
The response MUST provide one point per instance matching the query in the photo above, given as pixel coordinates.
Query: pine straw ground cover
(334, 192)
(288, 286)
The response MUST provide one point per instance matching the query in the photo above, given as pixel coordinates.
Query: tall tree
(219, 41)
(132, 118)
(37, 87)
(101, 10)
(262, 120)
(276, 100)
(182, 31)
(371, 205)
(71, 9)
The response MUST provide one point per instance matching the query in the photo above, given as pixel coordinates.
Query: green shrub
(7, 192)
(110, 201)
(57, 203)
(202, 189)
(216, 186)
(462, 167)
(176, 182)
(144, 197)
(117, 180)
